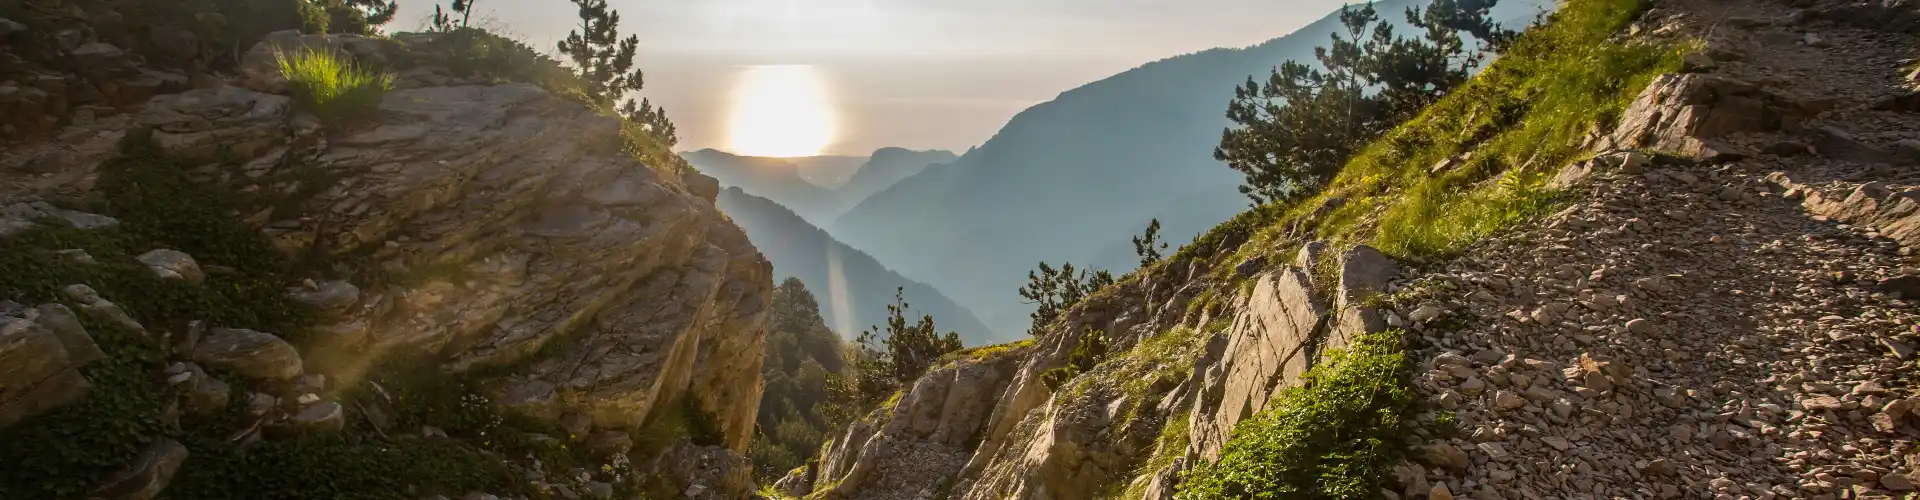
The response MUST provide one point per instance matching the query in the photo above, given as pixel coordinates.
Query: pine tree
(358, 17)
(1299, 127)
(1145, 244)
(889, 358)
(1052, 291)
(604, 59)
(443, 22)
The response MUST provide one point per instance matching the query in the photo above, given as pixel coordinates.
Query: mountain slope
(1081, 172)
(888, 166)
(853, 289)
(779, 179)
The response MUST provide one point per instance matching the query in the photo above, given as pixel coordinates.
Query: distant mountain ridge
(819, 188)
(1075, 177)
(852, 288)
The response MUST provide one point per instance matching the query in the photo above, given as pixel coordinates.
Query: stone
(701, 185)
(97, 56)
(1837, 144)
(1640, 326)
(259, 405)
(1785, 148)
(147, 475)
(1898, 348)
(1897, 482)
(1507, 400)
(173, 264)
(1439, 492)
(198, 125)
(249, 353)
(329, 298)
(37, 373)
(596, 489)
(1446, 456)
(80, 347)
(1697, 62)
(609, 442)
(323, 417)
(1687, 114)
(1494, 451)
(9, 27)
(205, 394)
(99, 308)
(1425, 313)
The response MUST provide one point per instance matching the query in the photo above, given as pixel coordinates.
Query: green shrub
(332, 86)
(1337, 435)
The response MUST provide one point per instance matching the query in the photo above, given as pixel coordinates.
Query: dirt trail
(1693, 330)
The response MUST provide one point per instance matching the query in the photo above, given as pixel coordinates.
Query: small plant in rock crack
(332, 86)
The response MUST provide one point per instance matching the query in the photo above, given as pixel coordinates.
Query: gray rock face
(249, 353)
(1685, 113)
(516, 222)
(173, 264)
(146, 475)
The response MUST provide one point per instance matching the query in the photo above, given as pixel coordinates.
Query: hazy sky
(910, 73)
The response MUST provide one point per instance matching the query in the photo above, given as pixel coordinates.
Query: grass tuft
(332, 86)
(1337, 435)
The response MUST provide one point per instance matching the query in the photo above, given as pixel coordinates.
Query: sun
(780, 111)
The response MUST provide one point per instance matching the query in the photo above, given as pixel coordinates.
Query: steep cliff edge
(1655, 251)
(477, 290)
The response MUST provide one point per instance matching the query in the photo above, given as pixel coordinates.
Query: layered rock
(1216, 363)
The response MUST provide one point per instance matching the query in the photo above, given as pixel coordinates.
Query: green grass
(332, 86)
(1336, 436)
(1521, 120)
(978, 354)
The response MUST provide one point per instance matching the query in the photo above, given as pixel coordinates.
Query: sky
(920, 74)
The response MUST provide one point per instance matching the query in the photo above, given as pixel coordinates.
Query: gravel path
(1691, 331)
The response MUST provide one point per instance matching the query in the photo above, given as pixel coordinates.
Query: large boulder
(201, 124)
(37, 373)
(249, 353)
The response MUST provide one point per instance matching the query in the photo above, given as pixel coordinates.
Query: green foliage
(1337, 435)
(1053, 291)
(603, 59)
(1089, 350)
(796, 410)
(356, 17)
(334, 467)
(64, 453)
(889, 361)
(332, 86)
(442, 21)
(1148, 245)
(1298, 128)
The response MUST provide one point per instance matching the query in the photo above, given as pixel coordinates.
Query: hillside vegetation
(1508, 131)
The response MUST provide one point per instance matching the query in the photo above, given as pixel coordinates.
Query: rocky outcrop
(1690, 114)
(508, 220)
(995, 429)
(917, 445)
(496, 229)
(1890, 212)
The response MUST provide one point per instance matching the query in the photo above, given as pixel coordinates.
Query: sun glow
(780, 111)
